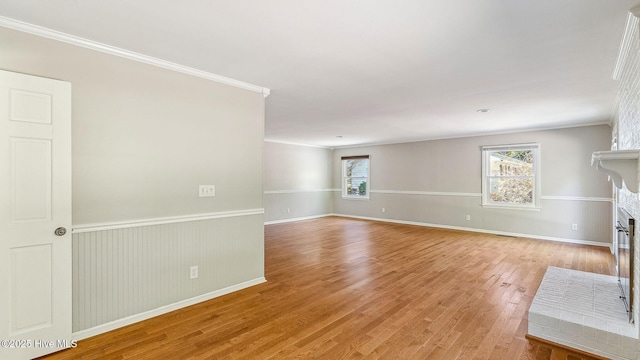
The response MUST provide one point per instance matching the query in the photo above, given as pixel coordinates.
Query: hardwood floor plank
(356, 289)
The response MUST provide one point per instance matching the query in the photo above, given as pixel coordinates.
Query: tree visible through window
(355, 176)
(511, 176)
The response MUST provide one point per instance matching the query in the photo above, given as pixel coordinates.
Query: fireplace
(624, 255)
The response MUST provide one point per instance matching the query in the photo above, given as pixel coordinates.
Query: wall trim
(491, 133)
(576, 198)
(445, 193)
(271, 192)
(296, 144)
(112, 50)
(83, 228)
(625, 43)
(100, 329)
(296, 219)
(495, 232)
(450, 227)
(433, 193)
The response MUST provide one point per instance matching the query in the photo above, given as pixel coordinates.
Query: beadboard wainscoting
(553, 221)
(293, 205)
(127, 272)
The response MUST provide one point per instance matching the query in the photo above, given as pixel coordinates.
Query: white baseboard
(484, 231)
(296, 219)
(100, 329)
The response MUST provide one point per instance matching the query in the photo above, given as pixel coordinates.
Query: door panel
(30, 107)
(31, 305)
(30, 180)
(35, 179)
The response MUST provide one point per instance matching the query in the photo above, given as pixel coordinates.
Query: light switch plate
(207, 190)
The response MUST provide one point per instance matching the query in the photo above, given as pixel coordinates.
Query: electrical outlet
(193, 272)
(383, 210)
(468, 217)
(288, 211)
(574, 227)
(207, 190)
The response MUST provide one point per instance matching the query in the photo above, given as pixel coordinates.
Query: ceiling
(350, 72)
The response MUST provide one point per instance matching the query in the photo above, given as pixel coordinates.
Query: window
(355, 177)
(511, 176)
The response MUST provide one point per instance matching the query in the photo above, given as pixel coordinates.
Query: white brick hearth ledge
(583, 311)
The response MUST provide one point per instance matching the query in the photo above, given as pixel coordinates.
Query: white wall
(143, 139)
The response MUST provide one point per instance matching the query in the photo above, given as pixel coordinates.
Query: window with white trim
(511, 176)
(355, 177)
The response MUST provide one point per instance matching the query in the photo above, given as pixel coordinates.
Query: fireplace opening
(624, 258)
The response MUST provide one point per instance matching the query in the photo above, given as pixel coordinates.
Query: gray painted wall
(443, 178)
(297, 182)
(144, 138)
(453, 165)
(439, 183)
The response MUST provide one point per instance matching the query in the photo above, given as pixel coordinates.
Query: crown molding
(633, 19)
(112, 50)
(296, 144)
(480, 134)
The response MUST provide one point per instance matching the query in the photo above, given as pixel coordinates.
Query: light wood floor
(345, 288)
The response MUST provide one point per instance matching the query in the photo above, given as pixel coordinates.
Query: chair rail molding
(84, 228)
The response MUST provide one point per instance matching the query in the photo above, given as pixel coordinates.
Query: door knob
(60, 231)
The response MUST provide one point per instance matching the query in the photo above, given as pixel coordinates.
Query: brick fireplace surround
(583, 311)
(570, 307)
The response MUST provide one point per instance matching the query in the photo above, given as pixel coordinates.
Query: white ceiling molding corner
(297, 144)
(112, 50)
(633, 21)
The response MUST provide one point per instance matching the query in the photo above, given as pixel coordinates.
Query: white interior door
(35, 200)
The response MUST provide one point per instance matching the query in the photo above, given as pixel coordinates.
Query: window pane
(347, 186)
(511, 163)
(511, 190)
(357, 167)
(510, 175)
(356, 172)
(356, 186)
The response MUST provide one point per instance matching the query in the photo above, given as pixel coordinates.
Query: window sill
(512, 207)
(355, 197)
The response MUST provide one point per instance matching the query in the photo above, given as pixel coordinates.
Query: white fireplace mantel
(621, 166)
